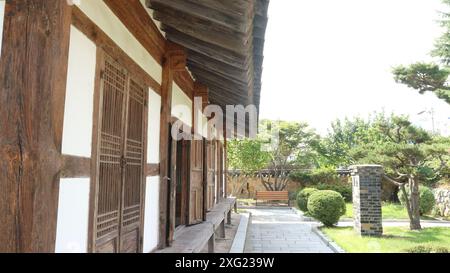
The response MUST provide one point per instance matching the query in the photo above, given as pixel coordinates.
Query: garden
(329, 207)
(315, 170)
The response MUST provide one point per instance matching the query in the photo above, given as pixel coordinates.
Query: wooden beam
(99, 37)
(33, 72)
(220, 79)
(260, 21)
(213, 51)
(75, 167)
(134, 16)
(238, 7)
(152, 170)
(259, 32)
(262, 7)
(177, 60)
(204, 31)
(172, 51)
(224, 91)
(184, 80)
(201, 90)
(218, 67)
(225, 165)
(229, 20)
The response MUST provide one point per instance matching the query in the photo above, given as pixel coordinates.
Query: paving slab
(282, 231)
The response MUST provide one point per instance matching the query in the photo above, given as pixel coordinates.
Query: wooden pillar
(201, 90)
(225, 165)
(33, 72)
(174, 60)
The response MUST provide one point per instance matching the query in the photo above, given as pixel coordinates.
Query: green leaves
(247, 155)
(293, 148)
(426, 77)
(408, 151)
(422, 77)
(346, 136)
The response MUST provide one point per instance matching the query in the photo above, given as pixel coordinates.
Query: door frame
(101, 57)
(171, 194)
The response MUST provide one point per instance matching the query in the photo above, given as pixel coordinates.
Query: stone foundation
(366, 181)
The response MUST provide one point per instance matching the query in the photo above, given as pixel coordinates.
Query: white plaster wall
(78, 111)
(73, 216)
(181, 105)
(154, 114)
(205, 132)
(151, 223)
(151, 217)
(103, 17)
(2, 13)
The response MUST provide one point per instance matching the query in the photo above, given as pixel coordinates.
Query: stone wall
(252, 185)
(442, 202)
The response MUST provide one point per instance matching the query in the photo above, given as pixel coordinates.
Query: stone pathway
(281, 231)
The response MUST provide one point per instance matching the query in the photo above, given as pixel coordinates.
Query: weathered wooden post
(367, 199)
(33, 72)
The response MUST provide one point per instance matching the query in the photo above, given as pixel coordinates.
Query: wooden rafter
(224, 42)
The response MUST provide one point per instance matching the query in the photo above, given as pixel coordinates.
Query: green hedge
(316, 176)
(302, 198)
(326, 206)
(427, 200)
(344, 189)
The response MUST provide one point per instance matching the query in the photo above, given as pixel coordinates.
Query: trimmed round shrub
(302, 198)
(426, 202)
(427, 249)
(326, 206)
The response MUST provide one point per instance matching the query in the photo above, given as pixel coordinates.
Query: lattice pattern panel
(110, 150)
(134, 155)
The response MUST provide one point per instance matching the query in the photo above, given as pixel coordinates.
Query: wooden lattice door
(117, 210)
(210, 174)
(133, 168)
(219, 170)
(196, 182)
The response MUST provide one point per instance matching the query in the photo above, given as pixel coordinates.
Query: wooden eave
(224, 41)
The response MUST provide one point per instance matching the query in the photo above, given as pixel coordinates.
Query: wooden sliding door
(119, 172)
(210, 174)
(196, 182)
(219, 171)
(133, 170)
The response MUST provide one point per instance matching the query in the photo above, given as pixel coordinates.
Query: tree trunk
(239, 183)
(266, 184)
(414, 201)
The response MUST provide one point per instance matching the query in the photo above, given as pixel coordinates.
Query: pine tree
(431, 77)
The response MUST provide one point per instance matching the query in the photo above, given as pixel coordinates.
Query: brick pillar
(367, 199)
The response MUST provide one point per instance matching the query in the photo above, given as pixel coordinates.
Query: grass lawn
(390, 211)
(395, 239)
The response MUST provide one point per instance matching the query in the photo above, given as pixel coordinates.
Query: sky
(328, 59)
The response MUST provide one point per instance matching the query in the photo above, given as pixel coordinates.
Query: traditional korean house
(89, 92)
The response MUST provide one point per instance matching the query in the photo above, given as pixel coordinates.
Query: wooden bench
(272, 196)
(193, 239)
